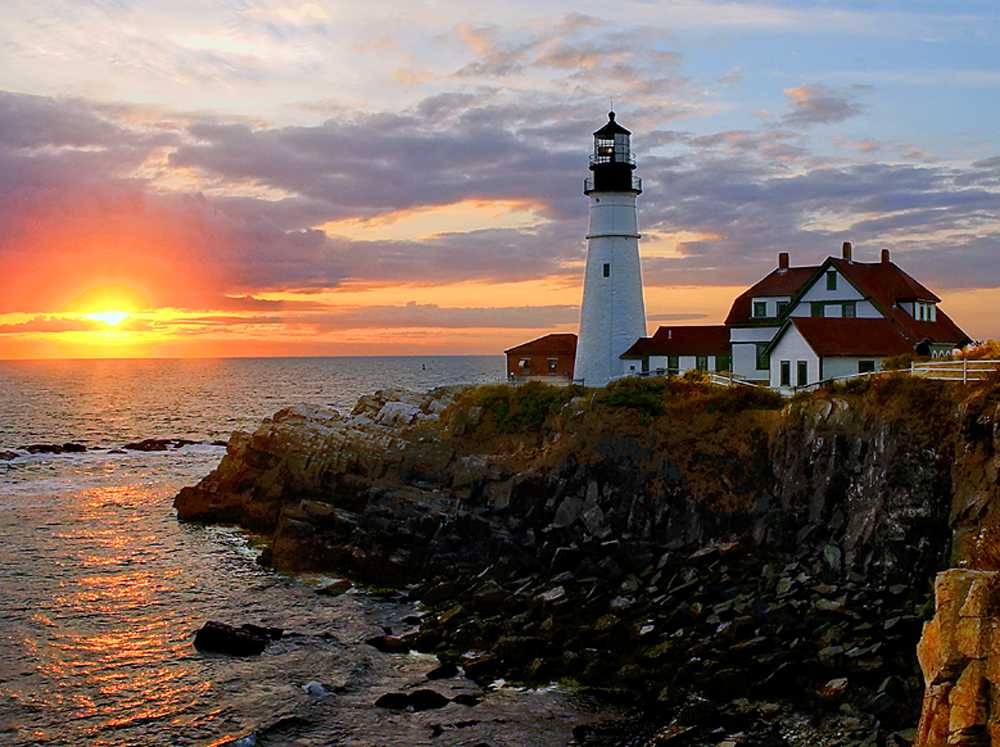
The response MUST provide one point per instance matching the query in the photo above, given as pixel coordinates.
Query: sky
(271, 177)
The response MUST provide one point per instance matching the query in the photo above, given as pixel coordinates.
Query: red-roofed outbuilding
(673, 350)
(551, 356)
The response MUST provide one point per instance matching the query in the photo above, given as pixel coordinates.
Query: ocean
(101, 588)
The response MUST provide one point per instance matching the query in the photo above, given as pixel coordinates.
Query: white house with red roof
(801, 325)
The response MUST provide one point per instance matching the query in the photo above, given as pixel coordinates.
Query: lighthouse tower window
(607, 270)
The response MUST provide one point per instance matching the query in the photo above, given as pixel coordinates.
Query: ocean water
(101, 588)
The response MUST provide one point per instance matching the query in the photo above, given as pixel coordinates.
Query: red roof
(883, 283)
(832, 337)
(781, 282)
(886, 285)
(549, 345)
(709, 340)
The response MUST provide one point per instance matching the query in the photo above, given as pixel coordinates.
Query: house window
(802, 373)
(759, 309)
(607, 270)
(849, 310)
(786, 373)
(866, 366)
(816, 309)
(763, 359)
(673, 365)
(702, 363)
(525, 365)
(554, 366)
(831, 281)
(782, 305)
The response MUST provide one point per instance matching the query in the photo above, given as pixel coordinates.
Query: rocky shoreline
(741, 570)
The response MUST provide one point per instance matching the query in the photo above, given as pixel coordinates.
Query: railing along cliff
(964, 370)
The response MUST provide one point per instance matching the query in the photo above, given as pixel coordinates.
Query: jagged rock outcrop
(960, 649)
(404, 481)
(976, 479)
(960, 660)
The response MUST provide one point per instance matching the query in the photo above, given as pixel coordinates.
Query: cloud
(210, 212)
(41, 324)
(817, 104)
(434, 316)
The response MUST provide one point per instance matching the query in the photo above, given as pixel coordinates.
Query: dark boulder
(69, 448)
(248, 640)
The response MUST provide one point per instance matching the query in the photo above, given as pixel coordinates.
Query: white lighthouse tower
(612, 317)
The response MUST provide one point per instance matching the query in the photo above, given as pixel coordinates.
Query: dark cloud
(748, 194)
(817, 104)
(674, 317)
(410, 315)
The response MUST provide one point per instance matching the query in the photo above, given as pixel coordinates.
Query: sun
(100, 312)
(111, 318)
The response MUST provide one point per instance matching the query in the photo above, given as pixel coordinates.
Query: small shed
(551, 356)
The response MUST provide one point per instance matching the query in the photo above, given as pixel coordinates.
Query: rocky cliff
(861, 480)
(670, 513)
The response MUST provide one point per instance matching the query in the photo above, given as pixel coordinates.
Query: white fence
(959, 372)
(964, 371)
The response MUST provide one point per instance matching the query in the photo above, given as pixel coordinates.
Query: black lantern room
(612, 161)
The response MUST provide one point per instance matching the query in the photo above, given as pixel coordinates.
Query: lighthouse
(612, 316)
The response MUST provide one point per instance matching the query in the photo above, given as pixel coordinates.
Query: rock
(67, 448)
(248, 640)
(568, 512)
(553, 595)
(336, 588)
(6, 456)
(150, 444)
(443, 671)
(418, 700)
(959, 658)
(426, 700)
(834, 689)
(314, 689)
(394, 701)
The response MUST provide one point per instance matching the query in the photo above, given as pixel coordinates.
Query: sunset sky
(267, 177)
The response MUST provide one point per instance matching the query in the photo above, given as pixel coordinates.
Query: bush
(522, 408)
(899, 362)
(647, 396)
(989, 350)
(734, 399)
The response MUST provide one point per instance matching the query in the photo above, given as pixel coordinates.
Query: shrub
(647, 396)
(734, 399)
(522, 408)
(899, 362)
(989, 350)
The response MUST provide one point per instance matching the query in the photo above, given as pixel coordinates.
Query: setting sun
(111, 318)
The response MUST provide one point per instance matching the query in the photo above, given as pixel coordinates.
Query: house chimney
(885, 256)
(782, 260)
(847, 251)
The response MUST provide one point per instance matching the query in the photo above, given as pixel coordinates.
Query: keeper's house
(801, 325)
